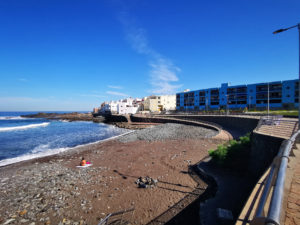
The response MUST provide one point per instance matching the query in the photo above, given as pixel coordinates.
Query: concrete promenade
(292, 212)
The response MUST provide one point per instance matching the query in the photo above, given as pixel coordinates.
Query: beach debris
(8, 221)
(146, 182)
(23, 212)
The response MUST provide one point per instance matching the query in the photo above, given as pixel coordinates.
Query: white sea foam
(40, 148)
(42, 151)
(25, 127)
(12, 118)
(32, 156)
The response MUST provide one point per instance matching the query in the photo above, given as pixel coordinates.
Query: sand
(86, 195)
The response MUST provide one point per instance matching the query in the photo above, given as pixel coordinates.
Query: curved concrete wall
(236, 125)
(175, 120)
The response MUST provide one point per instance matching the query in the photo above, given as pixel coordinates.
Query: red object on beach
(88, 162)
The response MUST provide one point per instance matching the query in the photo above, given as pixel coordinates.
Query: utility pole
(268, 100)
(249, 103)
(227, 112)
(285, 29)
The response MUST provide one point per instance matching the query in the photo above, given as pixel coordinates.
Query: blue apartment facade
(282, 95)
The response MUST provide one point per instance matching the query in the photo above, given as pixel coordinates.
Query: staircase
(277, 127)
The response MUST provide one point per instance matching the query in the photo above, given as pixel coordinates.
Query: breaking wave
(12, 118)
(45, 150)
(25, 127)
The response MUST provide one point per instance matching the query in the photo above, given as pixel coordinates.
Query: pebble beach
(52, 190)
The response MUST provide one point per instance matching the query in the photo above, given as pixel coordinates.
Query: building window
(288, 96)
(158, 101)
(288, 87)
(158, 97)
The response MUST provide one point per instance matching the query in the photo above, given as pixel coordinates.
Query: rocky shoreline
(75, 116)
(52, 190)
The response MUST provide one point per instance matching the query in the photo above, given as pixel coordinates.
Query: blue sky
(75, 54)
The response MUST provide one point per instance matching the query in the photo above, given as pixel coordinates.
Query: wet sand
(52, 190)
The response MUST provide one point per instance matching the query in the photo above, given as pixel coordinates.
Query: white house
(124, 106)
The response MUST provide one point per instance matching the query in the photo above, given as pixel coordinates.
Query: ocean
(26, 138)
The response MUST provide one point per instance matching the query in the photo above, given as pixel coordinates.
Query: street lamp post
(249, 103)
(206, 104)
(285, 29)
(268, 99)
(227, 111)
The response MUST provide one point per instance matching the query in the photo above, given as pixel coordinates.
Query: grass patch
(278, 112)
(234, 154)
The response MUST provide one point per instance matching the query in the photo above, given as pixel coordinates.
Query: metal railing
(277, 120)
(270, 120)
(275, 180)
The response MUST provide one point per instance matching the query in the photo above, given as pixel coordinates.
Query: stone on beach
(146, 182)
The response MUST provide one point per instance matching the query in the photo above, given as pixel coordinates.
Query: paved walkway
(292, 212)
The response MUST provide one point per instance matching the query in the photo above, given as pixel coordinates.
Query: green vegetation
(233, 154)
(254, 111)
(278, 112)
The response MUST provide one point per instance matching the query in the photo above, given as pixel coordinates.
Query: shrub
(232, 153)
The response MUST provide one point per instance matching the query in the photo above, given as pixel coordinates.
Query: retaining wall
(175, 120)
(236, 125)
(114, 118)
(264, 148)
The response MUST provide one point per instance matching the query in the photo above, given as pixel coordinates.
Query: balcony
(202, 93)
(214, 92)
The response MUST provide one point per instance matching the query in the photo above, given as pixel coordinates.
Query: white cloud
(114, 87)
(117, 93)
(163, 72)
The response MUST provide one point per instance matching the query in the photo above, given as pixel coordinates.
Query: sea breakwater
(74, 116)
(120, 121)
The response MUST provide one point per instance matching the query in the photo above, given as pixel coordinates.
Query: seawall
(236, 125)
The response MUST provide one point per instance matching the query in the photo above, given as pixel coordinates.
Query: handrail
(276, 120)
(276, 177)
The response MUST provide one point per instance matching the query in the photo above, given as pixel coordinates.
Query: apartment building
(278, 95)
(168, 102)
(151, 103)
(160, 103)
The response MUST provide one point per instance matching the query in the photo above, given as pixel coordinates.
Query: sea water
(26, 138)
